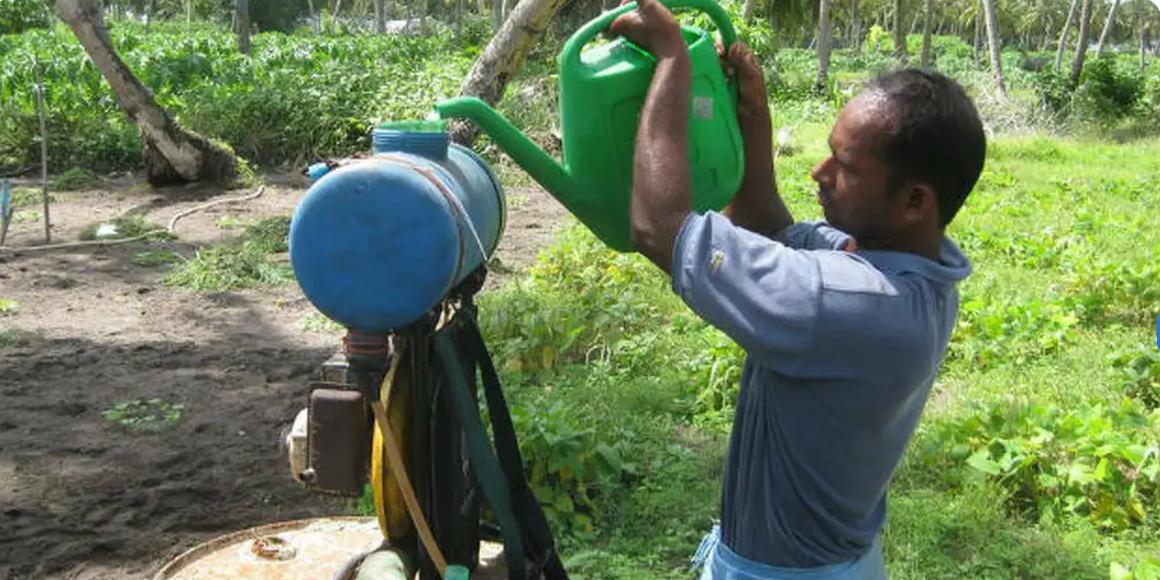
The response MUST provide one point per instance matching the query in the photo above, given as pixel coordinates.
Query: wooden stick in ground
(43, 148)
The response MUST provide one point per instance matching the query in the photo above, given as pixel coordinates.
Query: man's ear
(920, 202)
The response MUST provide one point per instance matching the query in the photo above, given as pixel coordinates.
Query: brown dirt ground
(81, 497)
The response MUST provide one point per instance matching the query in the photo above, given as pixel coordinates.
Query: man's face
(852, 181)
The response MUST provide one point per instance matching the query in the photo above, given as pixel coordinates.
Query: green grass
(243, 263)
(13, 337)
(8, 306)
(126, 226)
(153, 258)
(74, 179)
(145, 415)
(319, 323)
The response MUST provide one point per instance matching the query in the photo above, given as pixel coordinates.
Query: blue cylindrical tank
(380, 241)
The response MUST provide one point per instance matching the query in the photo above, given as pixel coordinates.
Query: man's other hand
(652, 27)
(742, 64)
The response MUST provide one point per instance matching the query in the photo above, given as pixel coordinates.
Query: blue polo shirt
(842, 350)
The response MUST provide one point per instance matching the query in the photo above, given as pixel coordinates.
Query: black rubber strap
(489, 475)
(527, 508)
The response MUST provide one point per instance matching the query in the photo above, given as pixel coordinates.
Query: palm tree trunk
(855, 33)
(504, 57)
(1043, 44)
(1063, 35)
(242, 14)
(747, 10)
(979, 36)
(993, 44)
(899, 33)
(928, 8)
(380, 16)
(172, 154)
(824, 44)
(1085, 18)
(1107, 27)
(1142, 27)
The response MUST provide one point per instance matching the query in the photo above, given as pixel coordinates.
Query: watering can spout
(545, 170)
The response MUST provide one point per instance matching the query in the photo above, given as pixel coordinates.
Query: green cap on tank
(415, 126)
(455, 572)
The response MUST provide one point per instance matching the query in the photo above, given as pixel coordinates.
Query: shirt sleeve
(761, 293)
(817, 235)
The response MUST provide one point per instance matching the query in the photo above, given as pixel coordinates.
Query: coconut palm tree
(824, 43)
(1085, 19)
(1107, 27)
(993, 44)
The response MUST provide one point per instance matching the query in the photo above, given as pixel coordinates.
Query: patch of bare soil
(82, 496)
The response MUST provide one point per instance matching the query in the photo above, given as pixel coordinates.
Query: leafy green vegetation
(74, 179)
(152, 258)
(243, 263)
(126, 226)
(1037, 456)
(8, 306)
(318, 322)
(145, 414)
(12, 337)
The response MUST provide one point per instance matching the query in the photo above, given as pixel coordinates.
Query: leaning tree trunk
(1085, 18)
(1107, 27)
(380, 16)
(242, 13)
(172, 154)
(1063, 35)
(928, 10)
(899, 33)
(993, 44)
(825, 41)
(503, 58)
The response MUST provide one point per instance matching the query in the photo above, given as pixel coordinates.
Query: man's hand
(652, 27)
(752, 99)
(757, 206)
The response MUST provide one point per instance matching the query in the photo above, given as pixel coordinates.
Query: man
(844, 322)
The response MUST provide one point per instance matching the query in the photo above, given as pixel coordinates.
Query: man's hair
(936, 137)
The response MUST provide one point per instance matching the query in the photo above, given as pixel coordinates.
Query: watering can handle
(589, 31)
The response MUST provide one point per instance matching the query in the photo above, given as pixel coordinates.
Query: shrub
(569, 468)
(1094, 461)
(16, 16)
(1107, 90)
(1138, 371)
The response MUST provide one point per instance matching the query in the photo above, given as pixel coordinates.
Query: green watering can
(602, 91)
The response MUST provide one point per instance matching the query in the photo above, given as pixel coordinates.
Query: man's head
(905, 154)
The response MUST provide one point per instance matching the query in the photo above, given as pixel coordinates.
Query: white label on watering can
(703, 108)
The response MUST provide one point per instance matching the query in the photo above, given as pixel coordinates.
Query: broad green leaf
(980, 461)
(1118, 571)
(1101, 471)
